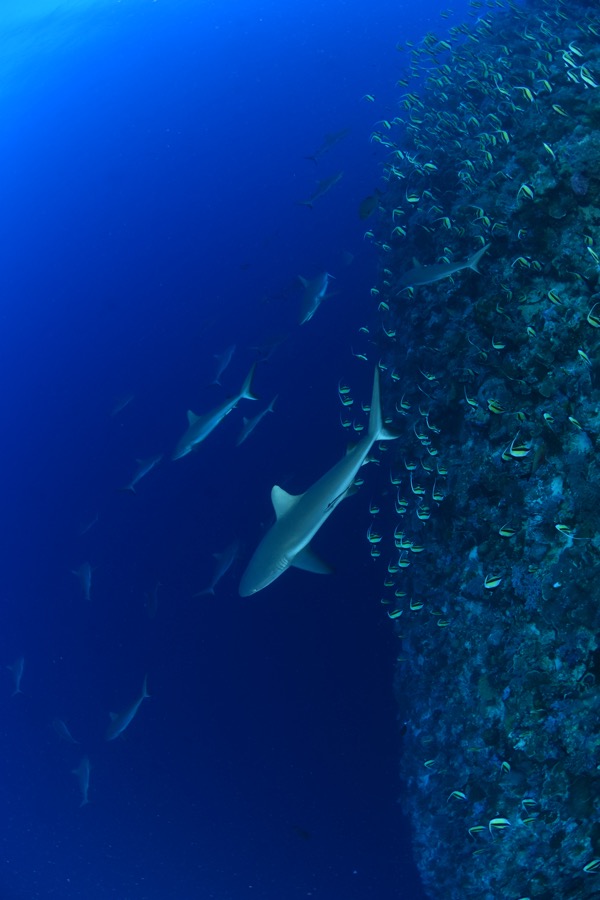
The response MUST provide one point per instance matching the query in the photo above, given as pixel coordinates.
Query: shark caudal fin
(474, 260)
(246, 391)
(377, 430)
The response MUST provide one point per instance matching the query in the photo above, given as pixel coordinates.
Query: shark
(324, 185)
(144, 467)
(199, 427)
(121, 403)
(17, 670)
(82, 773)
(223, 361)
(298, 518)
(61, 729)
(225, 560)
(420, 275)
(250, 424)
(84, 574)
(329, 141)
(120, 721)
(315, 290)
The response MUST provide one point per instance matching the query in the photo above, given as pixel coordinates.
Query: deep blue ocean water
(152, 157)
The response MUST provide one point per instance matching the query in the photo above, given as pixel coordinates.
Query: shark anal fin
(308, 560)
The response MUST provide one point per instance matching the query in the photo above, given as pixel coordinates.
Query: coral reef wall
(491, 367)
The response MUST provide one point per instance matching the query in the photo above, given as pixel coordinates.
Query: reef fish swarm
(491, 530)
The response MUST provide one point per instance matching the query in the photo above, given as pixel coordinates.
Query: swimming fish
(322, 187)
(63, 732)
(314, 294)
(84, 574)
(287, 543)
(82, 773)
(329, 141)
(17, 669)
(429, 274)
(121, 403)
(89, 524)
(144, 467)
(120, 721)
(250, 424)
(224, 360)
(225, 560)
(199, 427)
(266, 350)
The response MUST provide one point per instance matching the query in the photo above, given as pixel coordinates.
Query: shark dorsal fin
(282, 501)
(192, 417)
(416, 263)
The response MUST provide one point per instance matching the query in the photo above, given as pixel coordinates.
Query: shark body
(223, 361)
(17, 670)
(84, 574)
(287, 543)
(61, 729)
(315, 290)
(324, 185)
(225, 560)
(144, 467)
(420, 275)
(329, 141)
(82, 773)
(120, 721)
(250, 424)
(199, 427)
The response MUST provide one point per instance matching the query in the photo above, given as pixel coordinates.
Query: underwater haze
(169, 169)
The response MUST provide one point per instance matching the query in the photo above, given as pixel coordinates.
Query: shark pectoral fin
(308, 560)
(192, 417)
(282, 501)
(303, 281)
(474, 260)
(416, 263)
(386, 435)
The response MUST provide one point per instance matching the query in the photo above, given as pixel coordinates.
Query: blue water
(152, 157)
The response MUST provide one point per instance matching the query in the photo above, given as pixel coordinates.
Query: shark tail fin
(474, 260)
(246, 391)
(377, 430)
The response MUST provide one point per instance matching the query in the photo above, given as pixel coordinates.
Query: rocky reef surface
(492, 380)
